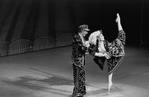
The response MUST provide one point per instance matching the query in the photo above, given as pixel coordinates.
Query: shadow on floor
(54, 83)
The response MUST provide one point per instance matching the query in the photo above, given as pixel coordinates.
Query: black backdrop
(101, 14)
(31, 25)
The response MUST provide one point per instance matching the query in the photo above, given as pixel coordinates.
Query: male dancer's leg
(79, 81)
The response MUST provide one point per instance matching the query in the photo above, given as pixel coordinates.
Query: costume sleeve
(77, 44)
(92, 49)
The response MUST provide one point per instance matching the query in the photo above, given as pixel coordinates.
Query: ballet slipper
(109, 87)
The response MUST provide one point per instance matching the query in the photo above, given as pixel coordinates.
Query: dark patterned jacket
(78, 51)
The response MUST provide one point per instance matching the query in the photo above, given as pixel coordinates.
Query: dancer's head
(83, 29)
(100, 37)
(97, 35)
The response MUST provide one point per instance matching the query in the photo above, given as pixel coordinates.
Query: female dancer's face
(100, 37)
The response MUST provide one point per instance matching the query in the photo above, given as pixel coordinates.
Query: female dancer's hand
(102, 55)
(107, 56)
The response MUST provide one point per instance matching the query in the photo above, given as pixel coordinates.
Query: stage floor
(48, 73)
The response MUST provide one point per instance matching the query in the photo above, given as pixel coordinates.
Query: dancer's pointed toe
(109, 87)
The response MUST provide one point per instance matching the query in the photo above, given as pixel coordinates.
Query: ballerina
(112, 52)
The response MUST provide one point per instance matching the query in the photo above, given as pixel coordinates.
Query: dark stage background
(101, 14)
(32, 25)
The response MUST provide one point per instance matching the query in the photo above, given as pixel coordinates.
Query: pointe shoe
(109, 87)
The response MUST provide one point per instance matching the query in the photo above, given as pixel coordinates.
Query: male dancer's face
(84, 33)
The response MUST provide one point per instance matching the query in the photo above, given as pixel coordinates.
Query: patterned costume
(78, 62)
(115, 49)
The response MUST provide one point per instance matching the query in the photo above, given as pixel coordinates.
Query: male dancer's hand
(87, 44)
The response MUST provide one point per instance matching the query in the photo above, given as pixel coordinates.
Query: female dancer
(103, 50)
